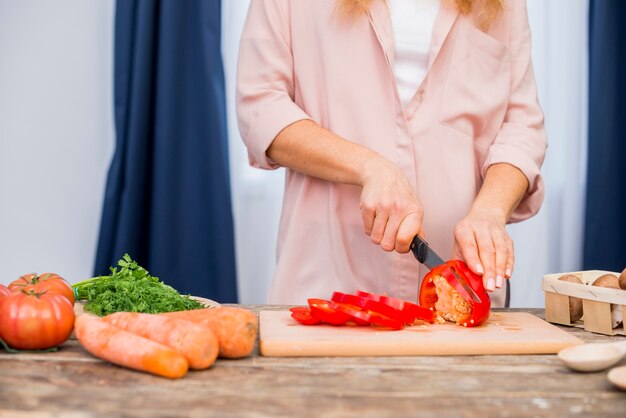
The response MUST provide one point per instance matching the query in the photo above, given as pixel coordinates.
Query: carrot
(197, 343)
(123, 348)
(235, 328)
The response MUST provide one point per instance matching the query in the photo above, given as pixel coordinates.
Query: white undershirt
(413, 22)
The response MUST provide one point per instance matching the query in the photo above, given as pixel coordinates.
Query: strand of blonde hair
(488, 10)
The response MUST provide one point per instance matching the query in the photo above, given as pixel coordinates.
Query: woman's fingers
(487, 254)
(388, 242)
(368, 214)
(468, 248)
(411, 225)
(487, 249)
(510, 261)
(502, 255)
(396, 230)
(391, 212)
(380, 224)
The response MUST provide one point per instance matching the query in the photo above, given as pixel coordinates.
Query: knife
(429, 258)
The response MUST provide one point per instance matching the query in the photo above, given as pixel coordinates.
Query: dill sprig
(130, 289)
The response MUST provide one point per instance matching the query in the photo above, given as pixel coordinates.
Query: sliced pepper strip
(304, 315)
(325, 312)
(428, 295)
(372, 317)
(369, 305)
(410, 311)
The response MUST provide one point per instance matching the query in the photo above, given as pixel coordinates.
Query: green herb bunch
(130, 289)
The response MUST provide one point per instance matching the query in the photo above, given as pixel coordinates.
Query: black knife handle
(418, 246)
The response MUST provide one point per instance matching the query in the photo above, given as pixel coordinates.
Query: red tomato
(47, 282)
(4, 291)
(35, 321)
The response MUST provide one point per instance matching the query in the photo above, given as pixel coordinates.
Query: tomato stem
(32, 292)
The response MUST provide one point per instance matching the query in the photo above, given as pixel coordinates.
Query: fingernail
(479, 268)
(508, 273)
(499, 281)
(490, 284)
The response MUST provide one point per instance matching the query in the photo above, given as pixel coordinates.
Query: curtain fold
(167, 200)
(605, 223)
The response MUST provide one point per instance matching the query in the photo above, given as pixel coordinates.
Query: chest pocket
(478, 87)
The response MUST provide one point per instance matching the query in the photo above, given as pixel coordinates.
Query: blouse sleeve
(265, 80)
(521, 141)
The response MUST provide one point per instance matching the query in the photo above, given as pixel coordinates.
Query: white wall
(56, 140)
(56, 133)
(551, 242)
(256, 194)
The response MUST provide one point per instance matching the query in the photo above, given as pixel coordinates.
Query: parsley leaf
(130, 289)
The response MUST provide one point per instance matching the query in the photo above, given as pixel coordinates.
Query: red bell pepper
(428, 297)
(363, 309)
(365, 315)
(368, 305)
(345, 308)
(303, 315)
(410, 311)
(370, 311)
(322, 310)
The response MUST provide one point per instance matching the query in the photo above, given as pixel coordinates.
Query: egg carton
(603, 307)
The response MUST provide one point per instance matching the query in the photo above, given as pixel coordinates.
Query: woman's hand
(392, 214)
(483, 242)
(481, 238)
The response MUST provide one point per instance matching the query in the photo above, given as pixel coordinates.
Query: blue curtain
(167, 201)
(605, 223)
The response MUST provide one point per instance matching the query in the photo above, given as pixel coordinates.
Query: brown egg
(611, 281)
(606, 280)
(622, 280)
(575, 304)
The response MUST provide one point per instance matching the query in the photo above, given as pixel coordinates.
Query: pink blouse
(477, 106)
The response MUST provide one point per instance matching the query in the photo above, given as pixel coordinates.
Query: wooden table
(70, 383)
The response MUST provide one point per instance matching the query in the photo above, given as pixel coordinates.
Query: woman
(393, 118)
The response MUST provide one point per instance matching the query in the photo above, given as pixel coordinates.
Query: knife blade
(428, 257)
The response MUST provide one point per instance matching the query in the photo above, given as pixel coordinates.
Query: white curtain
(256, 194)
(549, 242)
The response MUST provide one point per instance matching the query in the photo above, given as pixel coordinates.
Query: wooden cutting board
(504, 333)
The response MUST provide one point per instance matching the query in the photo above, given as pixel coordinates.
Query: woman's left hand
(482, 241)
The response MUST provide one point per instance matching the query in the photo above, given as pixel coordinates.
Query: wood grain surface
(70, 383)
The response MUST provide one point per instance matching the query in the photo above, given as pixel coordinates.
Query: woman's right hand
(392, 214)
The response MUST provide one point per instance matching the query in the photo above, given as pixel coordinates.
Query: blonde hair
(488, 10)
